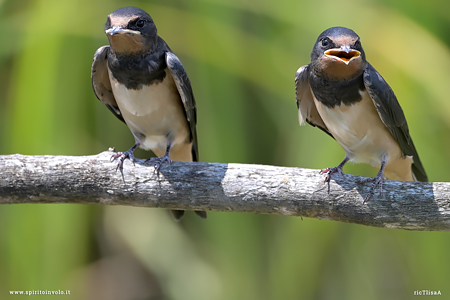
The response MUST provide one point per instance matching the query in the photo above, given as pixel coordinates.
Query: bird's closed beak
(119, 30)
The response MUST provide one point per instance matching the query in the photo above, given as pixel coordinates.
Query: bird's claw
(159, 161)
(378, 182)
(331, 171)
(121, 156)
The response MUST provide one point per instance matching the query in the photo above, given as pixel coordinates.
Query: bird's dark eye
(140, 23)
(325, 42)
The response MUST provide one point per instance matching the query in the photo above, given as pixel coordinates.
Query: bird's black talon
(331, 171)
(378, 182)
(121, 156)
(159, 161)
(326, 171)
(323, 171)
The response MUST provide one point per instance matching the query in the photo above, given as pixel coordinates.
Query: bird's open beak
(118, 30)
(344, 54)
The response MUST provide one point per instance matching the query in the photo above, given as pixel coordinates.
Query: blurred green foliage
(241, 57)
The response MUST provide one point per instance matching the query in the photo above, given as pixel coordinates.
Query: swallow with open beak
(343, 95)
(143, 83)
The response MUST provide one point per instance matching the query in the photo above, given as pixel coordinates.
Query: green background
(241, 57)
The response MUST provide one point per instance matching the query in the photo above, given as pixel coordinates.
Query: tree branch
(222, 187)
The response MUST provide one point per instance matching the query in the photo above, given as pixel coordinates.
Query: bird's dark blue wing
(100, 81)
(187, 97)
(392, 116)
(307, 111)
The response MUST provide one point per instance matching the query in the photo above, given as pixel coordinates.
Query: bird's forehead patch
(344, 40)
(121, 21)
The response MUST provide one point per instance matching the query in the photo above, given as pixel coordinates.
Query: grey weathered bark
(222, 187)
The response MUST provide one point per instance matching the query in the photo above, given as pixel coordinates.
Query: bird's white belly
(360, 131)
(147, 100)
(153, 113)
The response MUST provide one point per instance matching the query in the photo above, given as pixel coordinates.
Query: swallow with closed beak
(143, 83)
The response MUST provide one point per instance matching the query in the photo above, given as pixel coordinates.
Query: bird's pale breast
(154, 113)
(360, 131)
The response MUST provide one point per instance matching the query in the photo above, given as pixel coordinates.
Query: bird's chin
(127, 44)
(336, 68)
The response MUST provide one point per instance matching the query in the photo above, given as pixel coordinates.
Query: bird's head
(130, 30)
(338, 54)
